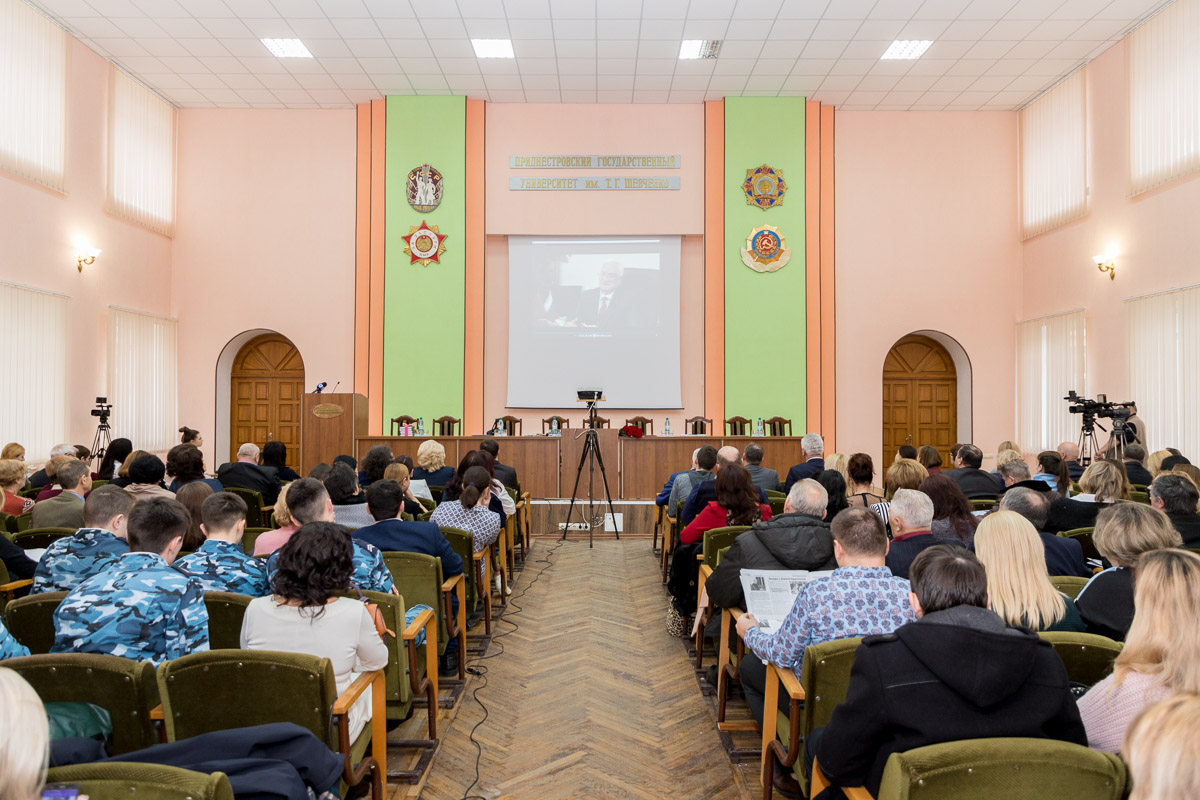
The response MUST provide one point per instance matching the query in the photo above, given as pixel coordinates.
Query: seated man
(705, 460)
(1069, 452)
(141, 608)
(39, 479)
(911, 517)
(503, 472)
(219, 563)
(798, 538)
(665, 494)
(814, 460)
(245, 473)
(1064, 555)
(65, 510)
(705, 492)
(958, 672)
(765, 479)
(974, 482)
(93, 548)
(1176, 496)
(1015, 475)
(385, 501)
(1135, 465)
(906, 451)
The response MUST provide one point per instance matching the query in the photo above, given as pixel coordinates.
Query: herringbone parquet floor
(586, 694)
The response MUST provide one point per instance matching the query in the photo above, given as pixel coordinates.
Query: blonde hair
(1127, 531)
(280, 513)
(51, 466)
(12, 450)
(1162, 748)
(1005, 456)
(1018, 584)
(24, 754)
(1106, 480)
(1154, 461)
(1163, 640)
(1008, 445)
(839, 463)
(396, 472)
(907, 473)
(123, 472)
(12, 471)
(431, 456)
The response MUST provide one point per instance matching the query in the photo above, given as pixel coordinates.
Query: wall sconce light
(1106, 263)
(86, 255)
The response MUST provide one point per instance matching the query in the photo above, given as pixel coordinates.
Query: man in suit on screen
(607, 307)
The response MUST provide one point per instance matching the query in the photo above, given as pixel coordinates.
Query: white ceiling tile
(895, 67)
(952, 84)
(941, 9)
(902, 98)
(141, 27)
(458, 66)
(619, 9)
(1011, 66)
(651, 82)
(1073, 49)
(183, 64)
(537, 66)
(226, 28)
(315, 81)
(292, 9)
(1056, 30)
(368, 48)
(187, 96)
(412, 48)
(487, 28)
(506, 97)
(782, 49)
(664, 9)
(689, 82)
(841, 82)
(257, 96)
(203, 80)
(420, 66)
(612, 49)
(576, 48)
(852, 66)
(262, 67)
(923, 30)
(502, 82)
(930, 66)
(1076, 9)
(816, 49)
(534, 48)
(574, 29)
(878, 83)
(248, 48)
(274, 82)
(802, 83)
(916, 83)
(686, 97)
(734, 66)
(381, 66)
(327, 48)
(835, 30)
(531, 28)
(68, 8)
(362, 95)
(1012, 30)
(988, 9)
(337, 66)
(989, 50)
(301, 65)
(656, 66)
(92, 27)
(577, 66)
(1101, 29)
(392, 84)
(765, 82)
(750, 48)
(879, 29)
(349, 9)
(773, 66)
(974, 98)
(1012, 99)
(658, 49)
(321, 28)
(582, 82)
(267, 28)
(661, 29)
(223, 64)
(943, 49)
(871, 50)
(849, 9)
(145, 67)
(705, 28)
(703, 66)
(579, 96)
(122, 48)
(365, 28)
(536, 96)
(803, 9)
(618, 28)
(466, 83)
(428, 83)
(711, 9)
(360, 81)
(796, 30)
(495, 66)
(1052, 67)
(614, 82)
(614, 96)
(1031, 50)
(941, 98)
(329, 97)
(971, 67)
(757, 9)
(813, 66)
(733, 83)
(755, 29)
(443, 29)
(527, 9)
(966, 30)
(871, 99)
(452, 48)
(1129, 9)
(895, 9)
(989, 83)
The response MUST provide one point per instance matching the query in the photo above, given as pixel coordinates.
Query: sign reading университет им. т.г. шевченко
(592, 183)
(594, 162)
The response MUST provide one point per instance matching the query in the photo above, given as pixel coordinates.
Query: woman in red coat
(736, 504)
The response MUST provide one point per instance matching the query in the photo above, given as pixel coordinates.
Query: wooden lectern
(331, 423)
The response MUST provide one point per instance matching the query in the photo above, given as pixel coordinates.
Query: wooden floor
(586, 694)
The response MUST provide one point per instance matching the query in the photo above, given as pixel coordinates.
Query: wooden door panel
(267, 384)
(920, 392)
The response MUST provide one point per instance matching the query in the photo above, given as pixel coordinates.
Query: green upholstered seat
(428, 503)
(720, 539)
(126, 689)
(772, 494)
(776, 504)
(399, 690)
(982, 504)
(1087, 657)
(39, 538)
(418, 578)
(98, 483)
(8, 524)
(720, 554)
(436, 492)
(24, 521)
(225, 613)
(1070, 585)
(1084, 537)
(462, 542)
(254, 505)
(249, 537)
(31, 620)
(1140, 497)
(120, 781)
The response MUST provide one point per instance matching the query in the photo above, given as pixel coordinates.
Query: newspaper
(771, 593)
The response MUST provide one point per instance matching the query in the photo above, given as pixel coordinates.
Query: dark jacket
(703, 494)
(396, 535)
(438, 478)
(1067, 514)
(955, 674)
(1075, 470)
(1064, 556)
(976, 483)
(243, 475)
(901, 552)
(1138, 474)
(1106, 603)
(1188, 526)
(507, 475)
(39, 479)
(765, 479)
(809, 469)
(789, 541)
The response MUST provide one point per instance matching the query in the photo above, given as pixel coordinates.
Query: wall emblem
(424, 244)
(424, 188)
(764, 187)
(766, 250)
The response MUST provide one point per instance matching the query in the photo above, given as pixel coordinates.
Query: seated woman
(13, 450)
(274, 455)
(185, 463)
(145, 478)
(1103, 482)
(835, 486)
(839, 464)
(905, 473)
(349, 503)
(930, 458)
(399, 473)
(192, 496)
(306, 614)
(1162, 748)
(1052, 469)
(1125, 533)
(272, 540)
(373, 464)
(431, 464)
(1003, 457)
(499, 500)
(115, 456)
(952, 517)
(861, 472)
(1018, 584)
(52, 489)
(12, 481)
(1161, 654)
(468, 511)
(191, 436)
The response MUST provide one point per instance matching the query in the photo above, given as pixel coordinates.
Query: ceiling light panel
(906, 50)
(493, 48)
(699, 48)
(287, 48)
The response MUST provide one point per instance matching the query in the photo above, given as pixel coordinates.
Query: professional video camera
(103, 438)
(1101, 407)
(102, 410)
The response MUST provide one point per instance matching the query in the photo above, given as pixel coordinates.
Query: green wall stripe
(423, 336)
(765, 359)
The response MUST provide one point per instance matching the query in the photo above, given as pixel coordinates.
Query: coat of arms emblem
(424, 244)
(764, 187)
(766, 250)
(424, 188)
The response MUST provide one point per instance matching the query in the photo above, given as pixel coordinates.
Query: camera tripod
(591, 455)
(102, 441)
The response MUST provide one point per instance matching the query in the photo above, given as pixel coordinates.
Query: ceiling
(987, 54)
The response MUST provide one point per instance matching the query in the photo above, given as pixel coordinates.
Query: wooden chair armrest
(415, 626)
(429, 684)
(449, 583)
(820, 783)
(736, 613)
(13, 586)
(705, 569)
(791, 683)
(341, 709)
(156, 713)
(346, 699)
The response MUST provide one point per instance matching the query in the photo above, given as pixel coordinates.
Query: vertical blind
(1054, 157)
(1164, 367)
(141, 154)
(142, 378)
(1163, 67)
(33, 95)
(35, 327)
(1051, 361)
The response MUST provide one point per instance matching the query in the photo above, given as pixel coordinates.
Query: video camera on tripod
(1101, 407)
(103, 439)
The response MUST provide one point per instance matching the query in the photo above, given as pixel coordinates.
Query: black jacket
(1188, 526)
(243, 475)
(902, 553)
(507, 475)
(1064, 556)
(1067, 514)
(789, 541)
(1138, 474)
(809, 469)
(976, 483)
(955, 674)
(397, 535)
(1106, 603)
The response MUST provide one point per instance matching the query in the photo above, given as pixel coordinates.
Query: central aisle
(589, 698)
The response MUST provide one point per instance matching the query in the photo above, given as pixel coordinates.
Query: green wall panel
(423, 331)
(765, 358)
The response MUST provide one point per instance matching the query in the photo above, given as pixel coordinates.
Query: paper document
(770, 593)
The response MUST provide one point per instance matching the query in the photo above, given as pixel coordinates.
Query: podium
(329, 425)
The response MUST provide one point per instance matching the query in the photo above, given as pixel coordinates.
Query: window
(141, 154)
(33, 95)
(1164, 367)
(35, 327)
(1163, 64)
(1050, 362)
(142, 378)
(1054, 157)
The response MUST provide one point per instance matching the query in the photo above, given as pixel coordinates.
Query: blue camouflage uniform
(370, 572)
(9, 646)
(225, 567)
(71, 560)
(141, 608)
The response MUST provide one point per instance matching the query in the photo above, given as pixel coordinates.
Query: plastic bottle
(420, 426)
(500, 429)
(554, 427)
(667, 427)
(758, 428)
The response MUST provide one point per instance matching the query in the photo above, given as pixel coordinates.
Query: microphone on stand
(320, 387)
(334, 389)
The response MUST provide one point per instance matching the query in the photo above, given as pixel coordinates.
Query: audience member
(906, 451)
(977, 678)
(83, 452)
(93, 548)
(320, 472)
(53, 488)
(12, 481)
(814, 460)
(704, 460)
(974, 482)
(861, 471)
(270, 541)
(954, 448)
(499, 501)
(1004, 457)
(431, 464)
(903, 474)
(1162, 749)
(952, 517)
(349, 461)
(929, 458)
(25, 745)
(245, 473)
(1008, 444)
(1014, 473)
(374, 463)
(385, 500)
(140, 608)
(39, 479)
(146, 473)
(66, 509)
(115, 455)
(835, 487)
(13, 451)
(1176, 496)
(418, 490)
(508, 506)
(306, 612)
(469, 511)
(399, 473)
(274, 456)
(19, 565)
(765, 479)
(798, 538)
(1135, 465)
(1064, 555)
(220, 564)
(737, 503)
(1052, 471)
(504, 473)
(1018, 583)
(193, 495)
(1171, 462)
(705, 492)
(1125, 532)
(839, 463)
(1103, 482)
(185, 464)
(1188, 471)
(1154, 462)
(1069, 452)
(349, 503)
(910, 515)
(191, 436)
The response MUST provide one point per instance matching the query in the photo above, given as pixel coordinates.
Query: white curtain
(141, 154)
(142, 378)
(33, 95)
(1051, 361)
(1054, 157)
(1164, 368)
(1163, 66)
(35, 327)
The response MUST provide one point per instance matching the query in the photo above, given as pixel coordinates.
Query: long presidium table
(636, 468)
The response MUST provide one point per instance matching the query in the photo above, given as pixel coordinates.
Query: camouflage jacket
(71, 560)
(9, 646)
(370, 572)
(224, 567)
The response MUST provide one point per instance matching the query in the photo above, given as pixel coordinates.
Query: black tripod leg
(575, 491)
(607, 494)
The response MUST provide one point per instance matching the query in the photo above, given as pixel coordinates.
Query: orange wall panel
(714, 263)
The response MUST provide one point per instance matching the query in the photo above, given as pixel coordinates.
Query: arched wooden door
(920, 397)
(266, 383)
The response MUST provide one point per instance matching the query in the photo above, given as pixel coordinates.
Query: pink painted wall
(926, 239)
(39, 229)
(1155, 235)
(265, 239)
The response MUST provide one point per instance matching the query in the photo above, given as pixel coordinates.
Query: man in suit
(910, 514)
(1064, 556)
(65, 510)
(245, 473)
(1015, 475)
(765, 479)
(974, 482)
(704, 460)
(1135, 461)
(706, 491)
(814, 460)
(39, 479)
(607, 307)
(504, 473)
(1069, 452)
(1176, 496)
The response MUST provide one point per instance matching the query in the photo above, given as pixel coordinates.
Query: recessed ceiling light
(287, 48)
(699, 48)
(493, 48)
(906, 50)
